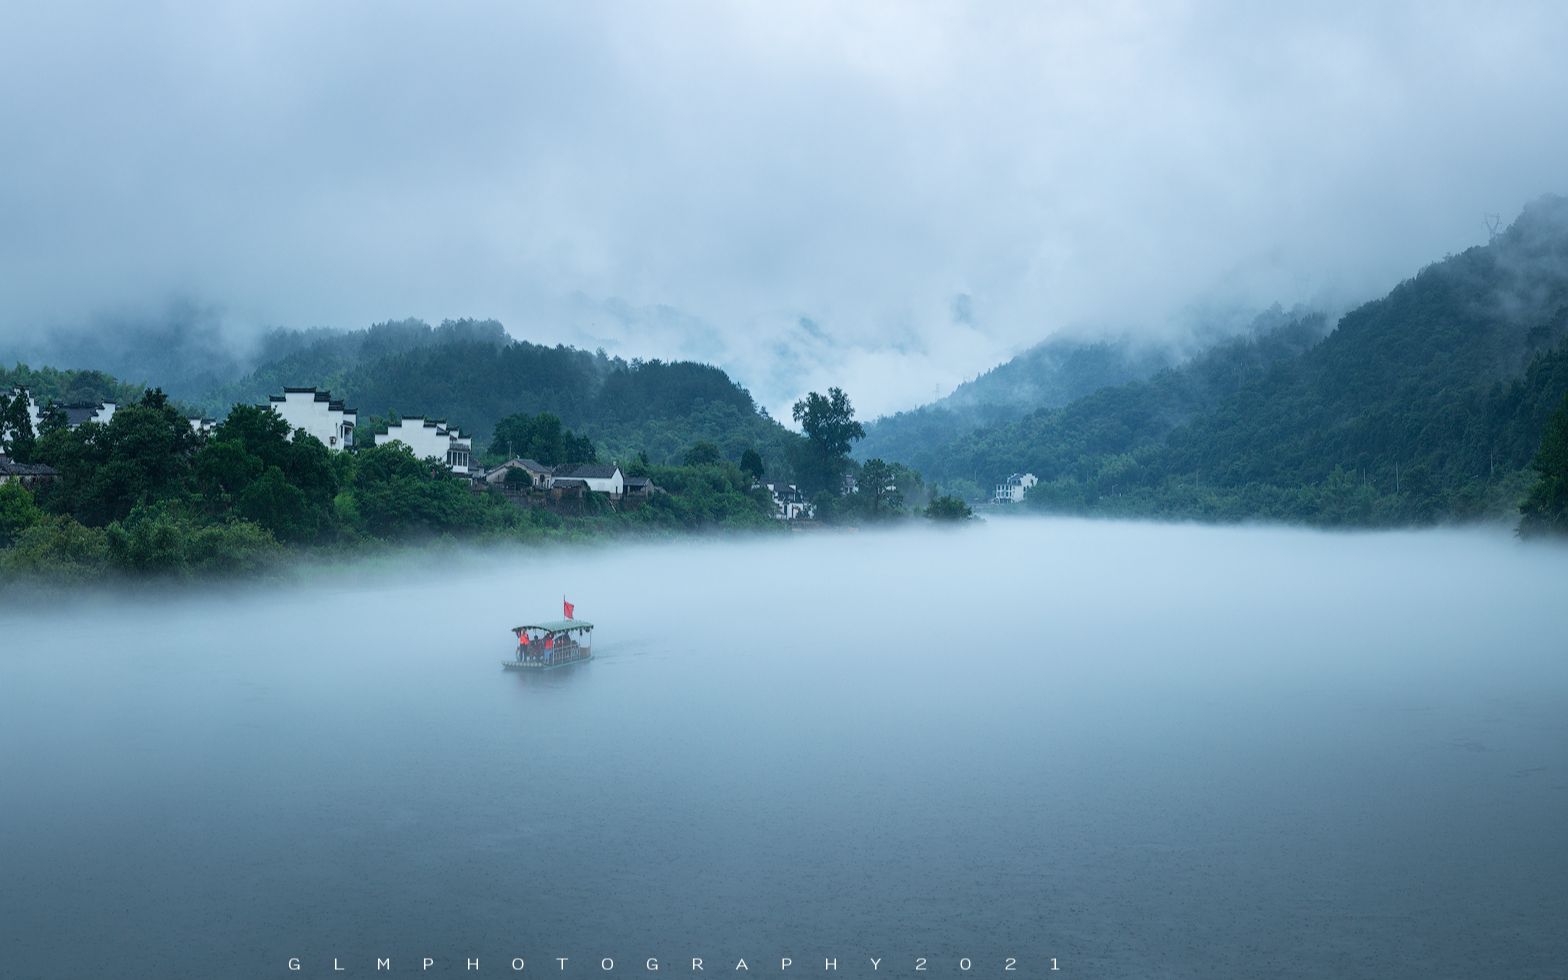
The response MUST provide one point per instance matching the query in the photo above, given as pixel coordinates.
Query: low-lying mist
(1140, 749)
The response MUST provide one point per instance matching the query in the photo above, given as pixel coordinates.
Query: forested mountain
(1426, 404)
(1048, 375)
(472, 374)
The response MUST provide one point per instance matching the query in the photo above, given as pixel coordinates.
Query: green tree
(51, 418)
(948, 508)
(830, 427)
(702, 453)
(143, 454)
(58, 548)
(751, 464)
(541, 438)
(879, 494)
(286, 482)
(16, 428)
(18, 511)
(1545, 510)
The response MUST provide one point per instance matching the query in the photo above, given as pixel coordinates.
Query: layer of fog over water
(1146, 751)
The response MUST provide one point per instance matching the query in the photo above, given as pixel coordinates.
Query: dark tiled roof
(77, 414)
(333, 404)
(566, 483)
(8, 468)
(638, 481)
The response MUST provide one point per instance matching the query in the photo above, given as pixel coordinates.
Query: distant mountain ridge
(1048, 375)
(1423, 405)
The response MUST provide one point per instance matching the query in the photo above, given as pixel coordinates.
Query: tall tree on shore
(1545, 510)
(830, 427)
(879, 490)
(751, 464)
(16, 428)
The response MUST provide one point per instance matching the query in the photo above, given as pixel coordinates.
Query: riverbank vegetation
(145, 494)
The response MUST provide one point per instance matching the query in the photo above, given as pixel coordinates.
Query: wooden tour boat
(546, 646)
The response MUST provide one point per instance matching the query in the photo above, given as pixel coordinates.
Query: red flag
(567, 607)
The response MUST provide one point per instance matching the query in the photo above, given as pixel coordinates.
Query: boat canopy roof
(556, 626)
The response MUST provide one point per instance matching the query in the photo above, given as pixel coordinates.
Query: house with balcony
(1012, 489)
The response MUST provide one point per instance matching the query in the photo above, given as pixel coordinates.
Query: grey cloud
(695, 179)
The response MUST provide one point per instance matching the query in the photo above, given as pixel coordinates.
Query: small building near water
(1012, 489)
(596, 477)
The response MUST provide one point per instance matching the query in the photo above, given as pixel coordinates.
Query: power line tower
(1494, 224)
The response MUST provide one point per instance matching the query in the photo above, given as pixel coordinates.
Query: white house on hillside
(75, 415)
(597, 477)
(316, 413)
(789, 504)
(429, 438)
(1011, 490)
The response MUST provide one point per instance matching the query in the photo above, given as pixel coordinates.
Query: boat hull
(534, 666)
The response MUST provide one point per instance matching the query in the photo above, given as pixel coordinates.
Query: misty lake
(1145, 751)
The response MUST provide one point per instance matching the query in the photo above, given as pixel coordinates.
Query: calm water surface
(1145, 751)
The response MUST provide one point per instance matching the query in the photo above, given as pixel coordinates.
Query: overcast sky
(889, 197)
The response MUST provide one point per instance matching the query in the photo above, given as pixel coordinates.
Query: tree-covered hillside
(1048, 375)
(473, 375)
(1424, 405)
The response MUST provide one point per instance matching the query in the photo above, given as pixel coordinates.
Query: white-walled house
(1012, 490)
(75, 415)
(597, 477)
(789, 504)
(430, 438)
(318, 414)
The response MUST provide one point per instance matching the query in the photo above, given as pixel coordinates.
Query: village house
(431, 439)
(640, 486)
(596, 477)
(1012, 490)
(318, 414)
(27, 474)
(531, 474)
(789, 504)
(75, 415)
